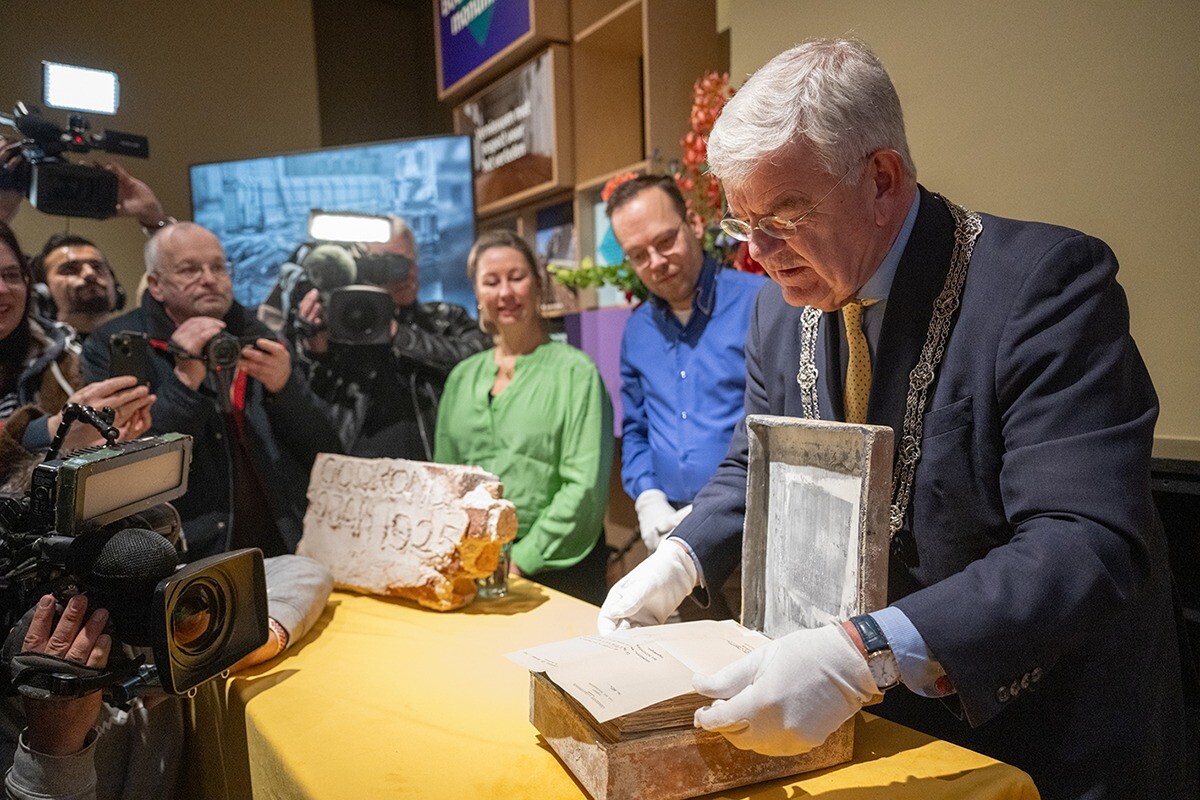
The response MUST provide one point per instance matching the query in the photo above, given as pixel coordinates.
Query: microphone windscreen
(38, 128)
(329, 266)
(124, 562)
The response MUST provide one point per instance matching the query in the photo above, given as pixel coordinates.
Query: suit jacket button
(1014, 688)
(1002, 694)
(1036, 674)
(1025, 681)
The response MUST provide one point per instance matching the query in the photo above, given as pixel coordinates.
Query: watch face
(884, 669)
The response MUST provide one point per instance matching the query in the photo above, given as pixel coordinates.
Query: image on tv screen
(259, 207)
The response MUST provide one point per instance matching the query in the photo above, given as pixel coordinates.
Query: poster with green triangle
(472, 31)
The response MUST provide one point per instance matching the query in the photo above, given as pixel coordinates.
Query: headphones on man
(46, 306)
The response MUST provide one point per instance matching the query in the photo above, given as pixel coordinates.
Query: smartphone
(129, 354)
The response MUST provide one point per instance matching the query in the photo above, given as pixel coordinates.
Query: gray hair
(150, 252)
(402, 230)
(832, 94)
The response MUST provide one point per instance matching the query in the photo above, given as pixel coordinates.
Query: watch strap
(872, 635)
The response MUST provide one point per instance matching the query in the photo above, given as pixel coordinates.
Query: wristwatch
(880, 658)
(281, 634)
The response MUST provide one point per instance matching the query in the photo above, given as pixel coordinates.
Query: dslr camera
(53, 184)
(224, 350)
(98, 522)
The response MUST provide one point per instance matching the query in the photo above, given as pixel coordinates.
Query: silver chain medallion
(806, 376)
(967, 227)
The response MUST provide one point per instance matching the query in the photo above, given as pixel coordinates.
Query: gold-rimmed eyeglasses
(773, 226)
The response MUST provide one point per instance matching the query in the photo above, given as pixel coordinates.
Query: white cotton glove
(650, 592)
(787, 697)
(656, 517)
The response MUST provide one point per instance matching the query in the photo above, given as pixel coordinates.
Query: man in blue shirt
(683, 370)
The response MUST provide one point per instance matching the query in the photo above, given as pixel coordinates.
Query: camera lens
(222, 351)
(360, 318)
(196, 617)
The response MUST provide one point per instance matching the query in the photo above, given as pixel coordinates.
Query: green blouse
(548, 435)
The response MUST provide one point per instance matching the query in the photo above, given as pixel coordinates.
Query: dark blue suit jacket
(1031, 555)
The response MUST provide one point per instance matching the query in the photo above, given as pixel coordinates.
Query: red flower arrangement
(613, 183)
(700, 189)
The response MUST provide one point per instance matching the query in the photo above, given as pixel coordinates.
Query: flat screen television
(259, 207)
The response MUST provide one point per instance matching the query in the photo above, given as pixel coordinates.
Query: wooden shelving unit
(633, 64)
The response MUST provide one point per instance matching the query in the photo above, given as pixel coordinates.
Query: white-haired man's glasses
(777, 227)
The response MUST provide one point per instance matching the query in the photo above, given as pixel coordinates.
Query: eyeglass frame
(177, 275)
(643, 260)
(731, 226)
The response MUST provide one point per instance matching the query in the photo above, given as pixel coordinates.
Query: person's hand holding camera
(60, 727)
(10, 161)
(130, 401)
(191, 336)
(136, 199)
(268, 362)
(311, 312)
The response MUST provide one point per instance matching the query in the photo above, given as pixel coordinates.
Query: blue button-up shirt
(683, 386)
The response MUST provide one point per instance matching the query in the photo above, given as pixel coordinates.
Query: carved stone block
(406, 528)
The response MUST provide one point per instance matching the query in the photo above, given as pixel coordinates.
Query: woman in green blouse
(536, 413)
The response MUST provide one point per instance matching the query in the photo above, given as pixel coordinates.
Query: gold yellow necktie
(858, 371)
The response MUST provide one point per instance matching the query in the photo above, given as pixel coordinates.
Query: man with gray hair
(1030, 613)
(256, 426)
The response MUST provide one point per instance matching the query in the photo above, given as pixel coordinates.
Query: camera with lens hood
(99, 522)
(357, 310)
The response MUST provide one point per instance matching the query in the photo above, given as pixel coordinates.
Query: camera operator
(39, 374)
(81, 747)
(257, 427)
(385, 399)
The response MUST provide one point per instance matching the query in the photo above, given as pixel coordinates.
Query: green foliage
(589, 274)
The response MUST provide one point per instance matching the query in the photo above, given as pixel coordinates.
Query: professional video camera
(357, 310)
(52, 183)
(97, 522)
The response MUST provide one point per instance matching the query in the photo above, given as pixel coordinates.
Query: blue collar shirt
(683, 386)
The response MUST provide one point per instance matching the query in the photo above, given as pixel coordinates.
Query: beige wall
(1080, 114)
(206, 81)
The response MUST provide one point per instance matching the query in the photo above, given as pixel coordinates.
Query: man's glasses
(190, 272)
(662, 245)
(777, 227)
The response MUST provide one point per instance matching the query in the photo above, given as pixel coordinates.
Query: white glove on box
(650, 592)
(787, 697)
(656, 517)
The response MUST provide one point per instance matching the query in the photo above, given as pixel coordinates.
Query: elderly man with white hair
(1030, 614)
(256, 426)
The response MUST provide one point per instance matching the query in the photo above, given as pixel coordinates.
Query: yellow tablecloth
(386, 699)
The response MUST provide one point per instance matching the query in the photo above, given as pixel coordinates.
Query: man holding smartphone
(257, 427)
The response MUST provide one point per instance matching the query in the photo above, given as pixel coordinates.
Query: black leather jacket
(384, 398)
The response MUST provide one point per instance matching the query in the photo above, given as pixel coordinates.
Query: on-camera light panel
(80, 88)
